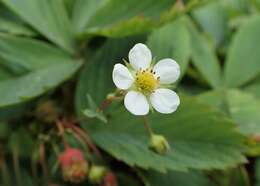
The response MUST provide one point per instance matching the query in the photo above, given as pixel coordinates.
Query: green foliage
(244, 109)
(56, 90)
(27, 54)
(10, 23)
(203, 57)
(124, 127)
(218, 28)
(171, 40)
(178, 179)
(24, 55)
(243, 56)
(93, 111)
(101, 18)
(254, 88)
(35, 83)
(195, 149)
(47, 17)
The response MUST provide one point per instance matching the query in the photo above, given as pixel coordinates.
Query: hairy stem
(147, 126)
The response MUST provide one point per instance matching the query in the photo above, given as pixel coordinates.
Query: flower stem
(61, 133)
(109, 99)
(87, 139)
(147, 126)
(81, 134)
(104, 105)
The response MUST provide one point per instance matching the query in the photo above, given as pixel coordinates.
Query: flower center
(145, 81)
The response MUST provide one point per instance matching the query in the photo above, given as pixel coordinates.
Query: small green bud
(110, 96)
(159, 144)
(96, 174)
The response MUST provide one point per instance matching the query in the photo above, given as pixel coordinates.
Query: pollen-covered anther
(145, 81)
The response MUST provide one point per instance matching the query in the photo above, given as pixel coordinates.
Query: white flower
(145, 84)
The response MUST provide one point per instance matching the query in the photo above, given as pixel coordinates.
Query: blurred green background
(53, 53)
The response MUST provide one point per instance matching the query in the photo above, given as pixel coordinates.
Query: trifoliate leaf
(203, 56)
(242, 63)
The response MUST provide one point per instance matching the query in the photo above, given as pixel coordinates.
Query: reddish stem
(83, 135)
(61, 133)
(87, 139)
(104, 105)
(109, 100)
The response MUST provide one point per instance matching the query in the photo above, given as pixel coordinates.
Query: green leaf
(48, 17)
(236, 8)
(127, 179)
(214, 98)
(4, 74)
(203, 57)
(94, 114)
(244, 109)
(254, 88)
(29, 54)
(35, 83)
(83, 11)
(69, 5)
(237, 176)
(92, 111)
(194, 143)
(213, 19)
(175, 178)
(12, 24)
(118, 18)
(133, 26)
(171, 41)
(242, 63)
(210, 140)
(15, 28)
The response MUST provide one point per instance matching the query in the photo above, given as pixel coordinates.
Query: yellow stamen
(145, 81)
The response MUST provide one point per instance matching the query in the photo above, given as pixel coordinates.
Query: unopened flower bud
(110, 179)
(74, 166)
(159, 144)
(96, 174)
(110, 96)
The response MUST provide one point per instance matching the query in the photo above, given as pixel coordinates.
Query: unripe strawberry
(74, 166)
(96, 174)
(159, 144)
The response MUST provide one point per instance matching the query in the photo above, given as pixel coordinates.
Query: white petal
(168, 70)
(136, 103)
(165, 101)
(140, 56)
(122, 77)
